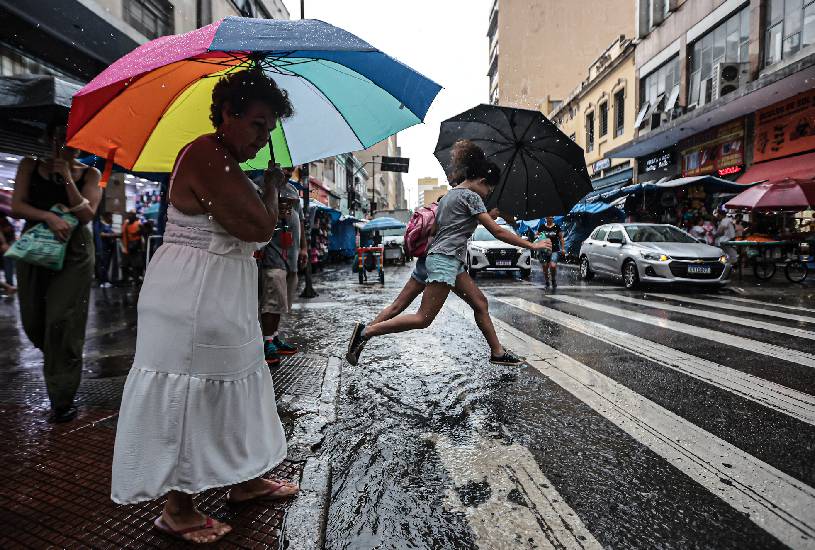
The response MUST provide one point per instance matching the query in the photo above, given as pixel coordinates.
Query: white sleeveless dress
(198, 409)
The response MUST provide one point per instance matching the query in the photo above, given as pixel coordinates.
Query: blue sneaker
(284, 348)
(271, 354)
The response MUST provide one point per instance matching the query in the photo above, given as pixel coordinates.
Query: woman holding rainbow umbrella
(198, 409)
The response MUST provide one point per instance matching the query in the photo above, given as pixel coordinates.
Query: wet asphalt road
(658, 418)
(661, 423)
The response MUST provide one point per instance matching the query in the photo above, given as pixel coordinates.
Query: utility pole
(302, 9)
(372, 202)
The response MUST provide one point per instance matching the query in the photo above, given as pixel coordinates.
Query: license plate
(503, 263)
(701, 269)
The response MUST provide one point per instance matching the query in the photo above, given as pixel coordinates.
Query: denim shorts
(443, 269)
(550, 256)
(420, 271)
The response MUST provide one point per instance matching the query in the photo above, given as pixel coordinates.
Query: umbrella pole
(308, 290)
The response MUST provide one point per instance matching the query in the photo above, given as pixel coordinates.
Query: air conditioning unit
(728, 77)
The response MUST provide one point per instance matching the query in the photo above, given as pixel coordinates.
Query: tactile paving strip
(300, 375)
(55, 493)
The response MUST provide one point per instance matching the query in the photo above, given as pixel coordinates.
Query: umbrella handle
(272, 160)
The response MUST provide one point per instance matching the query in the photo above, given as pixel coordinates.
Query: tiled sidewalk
(55, 480)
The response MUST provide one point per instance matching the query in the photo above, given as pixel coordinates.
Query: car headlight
(723, 259)
(655, 257)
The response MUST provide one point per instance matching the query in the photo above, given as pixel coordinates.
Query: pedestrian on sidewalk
(457, 217)
(280, 261)
(198, 409)
(132, 249)
(54, 304)
(105, 245)
(7, 238)
(549, 258)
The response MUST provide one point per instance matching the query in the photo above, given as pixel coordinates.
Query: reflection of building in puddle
(506, 499)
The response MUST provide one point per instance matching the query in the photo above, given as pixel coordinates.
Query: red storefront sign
(716, 151)
(785, 128)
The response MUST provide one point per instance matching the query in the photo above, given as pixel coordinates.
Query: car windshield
(657, 234)
(483, 234)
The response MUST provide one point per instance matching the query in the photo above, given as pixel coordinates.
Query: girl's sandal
(162, 526)
(276, 492)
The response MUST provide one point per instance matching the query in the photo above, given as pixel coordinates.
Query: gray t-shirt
(456, 220)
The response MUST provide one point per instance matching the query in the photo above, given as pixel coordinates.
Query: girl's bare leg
(409, 293)
(433, 299)
(467, 290)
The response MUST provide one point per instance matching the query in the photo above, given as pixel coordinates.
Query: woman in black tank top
(54, 304)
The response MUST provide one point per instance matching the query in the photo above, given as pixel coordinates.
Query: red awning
(797, 167)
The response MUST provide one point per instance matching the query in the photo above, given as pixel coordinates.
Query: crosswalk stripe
(544, 520)
(724, 305)
(710, 314)
(785, 400)
(763, 348)
(773, 500)
(752, 301)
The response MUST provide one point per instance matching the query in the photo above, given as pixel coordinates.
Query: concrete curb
(304, 526)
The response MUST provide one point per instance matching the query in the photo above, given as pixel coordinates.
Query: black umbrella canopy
(543, 172)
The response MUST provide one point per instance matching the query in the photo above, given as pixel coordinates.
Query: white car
(486, 253)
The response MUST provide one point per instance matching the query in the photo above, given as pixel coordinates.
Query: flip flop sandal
(161, 526)
(270, 494)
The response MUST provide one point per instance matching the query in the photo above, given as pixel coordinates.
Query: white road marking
(770, 350)
(773, 500)
(751, 301)
(710, 314)
(545, 521)
(791, 402)
(724, 305)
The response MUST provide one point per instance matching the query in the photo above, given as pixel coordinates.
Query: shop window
(619, 113)
(152, 18)
(790, 26)
(603, 122)
(589, 132)
(726, 43)
(656, 88)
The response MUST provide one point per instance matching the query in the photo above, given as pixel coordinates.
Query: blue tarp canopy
(590, 208)
(343, 238)
(534, 225)
(333, 213)
(381, 224)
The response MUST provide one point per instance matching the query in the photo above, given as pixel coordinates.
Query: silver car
(651, 253)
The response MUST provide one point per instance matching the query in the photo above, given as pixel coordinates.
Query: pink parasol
(788, 194)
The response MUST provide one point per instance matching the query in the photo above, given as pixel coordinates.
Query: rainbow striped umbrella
(347, 95)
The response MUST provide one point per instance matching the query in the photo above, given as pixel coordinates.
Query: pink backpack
(417, 234)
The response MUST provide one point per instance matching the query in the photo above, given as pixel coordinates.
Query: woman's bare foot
(262, 488)
(181, 519)
(193, 527)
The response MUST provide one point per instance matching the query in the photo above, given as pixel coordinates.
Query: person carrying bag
(56, 264)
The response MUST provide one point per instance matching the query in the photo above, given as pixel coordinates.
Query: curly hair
(468, 161)
(241, 88)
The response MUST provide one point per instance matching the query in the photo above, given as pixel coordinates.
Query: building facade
(724, 88)
(599, 114)
(539, 49)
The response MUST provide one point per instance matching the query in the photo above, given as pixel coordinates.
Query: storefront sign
(785, 128)
(714, 150)
(601, 165)
(657, 161)
(729, 171)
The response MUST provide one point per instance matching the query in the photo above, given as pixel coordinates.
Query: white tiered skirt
(198, 409)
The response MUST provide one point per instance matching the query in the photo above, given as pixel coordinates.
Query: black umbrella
(543, 172)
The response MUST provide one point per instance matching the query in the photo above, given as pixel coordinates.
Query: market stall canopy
(797, 167)
(381, 224)
(712, 184)
(590, 208)
(787, 195)
(37, 98)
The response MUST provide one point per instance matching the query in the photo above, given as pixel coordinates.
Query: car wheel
(585, 270)
(631, 278)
